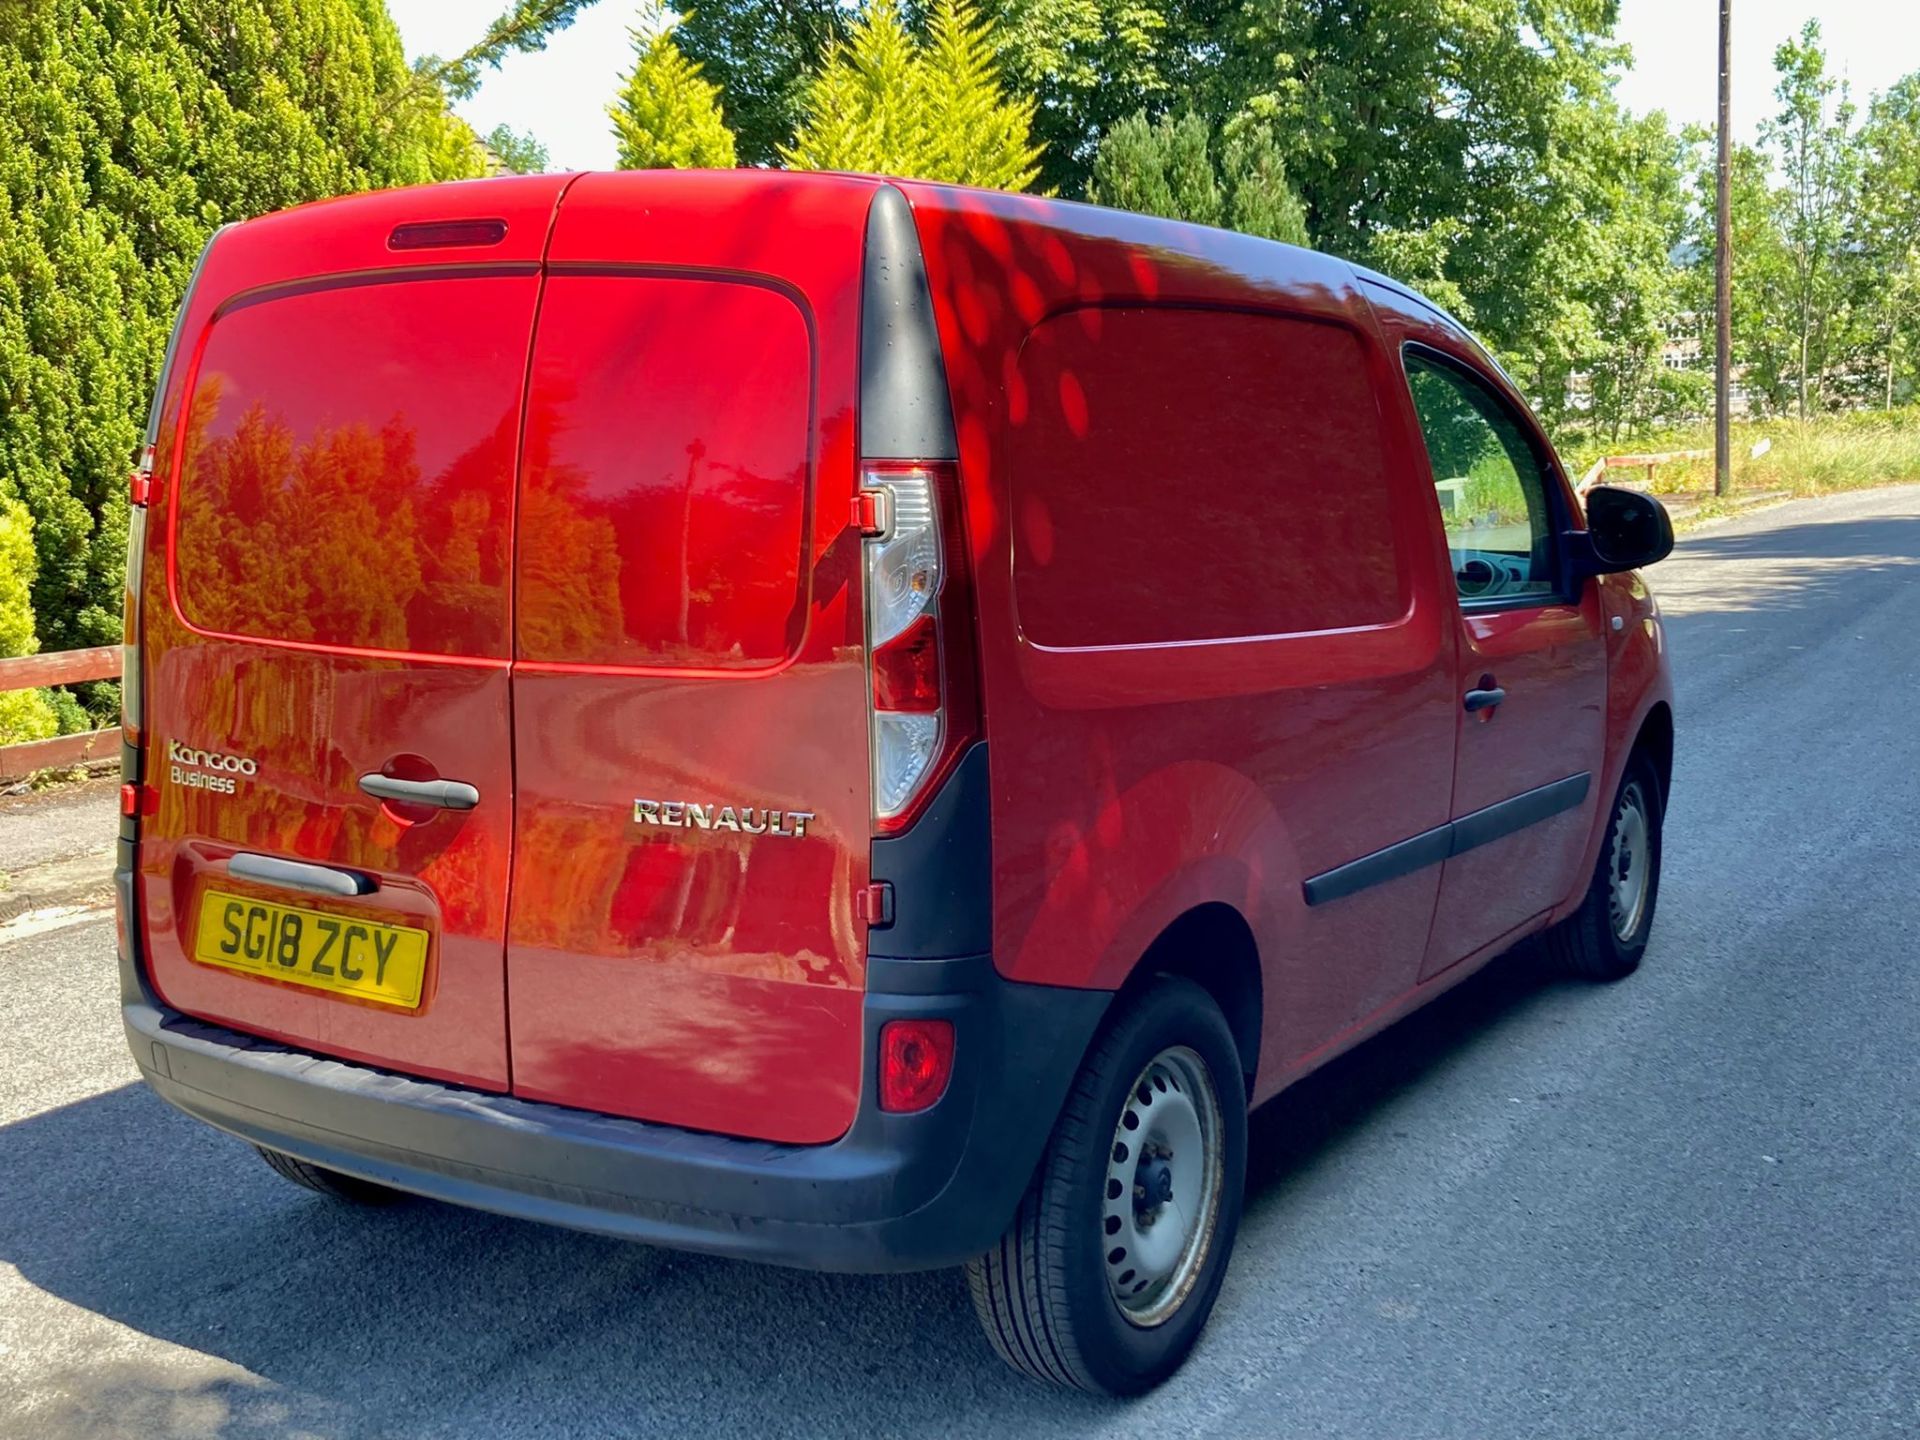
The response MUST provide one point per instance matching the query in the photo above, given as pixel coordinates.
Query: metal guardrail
(1636, 462)
(62, 667)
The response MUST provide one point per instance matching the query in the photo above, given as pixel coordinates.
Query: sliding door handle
(1484, 699)
(444, 794)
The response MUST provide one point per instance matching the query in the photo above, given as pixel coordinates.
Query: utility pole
(1723, 269)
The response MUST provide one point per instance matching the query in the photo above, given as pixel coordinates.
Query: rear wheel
(330, 1183)
(1605, 938)
(1116, 1255)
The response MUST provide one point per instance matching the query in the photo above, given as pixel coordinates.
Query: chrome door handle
(445, 794)
(1484, 699)
(298, 875)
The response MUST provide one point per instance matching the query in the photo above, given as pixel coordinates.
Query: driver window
(1493, 494)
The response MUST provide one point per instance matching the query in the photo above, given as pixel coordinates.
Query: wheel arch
(1213, 946)
(1655, 741)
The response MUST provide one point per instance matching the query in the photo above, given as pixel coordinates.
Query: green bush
(24, 714)
(129, 130)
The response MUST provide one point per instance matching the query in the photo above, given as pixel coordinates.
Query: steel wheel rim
(1162, 1195)
(1629, 865)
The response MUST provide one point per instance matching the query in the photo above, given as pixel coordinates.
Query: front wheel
(1115, 1257)
(1605, 938)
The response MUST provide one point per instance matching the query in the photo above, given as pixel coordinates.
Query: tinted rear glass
(1197, 475)
(347, 477)
(665, 480)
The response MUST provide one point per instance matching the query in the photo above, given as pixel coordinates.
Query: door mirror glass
(1628, 529)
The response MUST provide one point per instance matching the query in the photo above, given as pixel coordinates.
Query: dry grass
(1832, 452)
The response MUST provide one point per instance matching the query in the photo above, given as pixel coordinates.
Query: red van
(849, 723)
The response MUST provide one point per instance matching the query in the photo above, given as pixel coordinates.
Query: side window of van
(1183, 475)
(1492, 490)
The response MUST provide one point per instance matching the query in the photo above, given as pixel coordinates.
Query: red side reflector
(139, 487)
(916, 1062)
(129, 799)
(435, 234)
(906, 670)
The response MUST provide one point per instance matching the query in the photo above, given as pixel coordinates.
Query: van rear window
(348, 471)
(1197, 475)
(664, 486)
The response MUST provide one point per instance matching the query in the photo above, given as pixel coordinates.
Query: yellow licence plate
(384, 963)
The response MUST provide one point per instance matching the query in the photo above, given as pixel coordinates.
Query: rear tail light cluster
(919, 637)
(140, 488)
(916, 1062)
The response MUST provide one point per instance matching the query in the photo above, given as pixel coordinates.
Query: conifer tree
(889, 102)
(129, 130)
(1169, 168)
(666, 115)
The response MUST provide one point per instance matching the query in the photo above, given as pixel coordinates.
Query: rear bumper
(897, 1192)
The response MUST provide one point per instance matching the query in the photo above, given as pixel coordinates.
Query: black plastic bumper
(897, 1192)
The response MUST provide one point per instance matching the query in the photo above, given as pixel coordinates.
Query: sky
(561, 94)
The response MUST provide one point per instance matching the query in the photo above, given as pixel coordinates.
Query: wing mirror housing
(1626, 530)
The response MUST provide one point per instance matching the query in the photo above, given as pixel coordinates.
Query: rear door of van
(326, 628)
(692, 807)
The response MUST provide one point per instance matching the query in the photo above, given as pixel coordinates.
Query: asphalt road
(1688, 1205)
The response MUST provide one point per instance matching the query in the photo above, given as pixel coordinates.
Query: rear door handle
(1484, 699)
(445, 794)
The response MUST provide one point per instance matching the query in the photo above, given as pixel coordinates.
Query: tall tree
(128, 130)
(1089, 64)
(889, 102)
(1813, 143)
(1442, 128)
(1763, 325)
(1888, 232)
(762, 53)
(666, 115)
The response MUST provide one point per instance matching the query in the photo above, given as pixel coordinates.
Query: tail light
(139, 488)
(924, 710)
(916, 1062)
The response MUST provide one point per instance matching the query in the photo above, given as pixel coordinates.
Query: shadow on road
(1792, 570)
(424, 1319)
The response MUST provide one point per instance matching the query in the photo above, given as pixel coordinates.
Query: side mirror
(1625, 530)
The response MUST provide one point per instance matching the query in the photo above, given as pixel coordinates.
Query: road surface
(1688, 1205)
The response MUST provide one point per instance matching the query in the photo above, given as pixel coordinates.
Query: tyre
(1115, 1257)
(1605, 938)
(330, 1183)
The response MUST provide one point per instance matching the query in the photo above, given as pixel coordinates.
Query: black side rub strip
(1456, 837)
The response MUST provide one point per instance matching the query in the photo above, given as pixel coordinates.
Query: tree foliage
(129, 129)
(517, 152)
(666, 115)
(1812, 139)
(888, 101)
(24, 714)
(1182, 170)
(522, 30)
(762, 53)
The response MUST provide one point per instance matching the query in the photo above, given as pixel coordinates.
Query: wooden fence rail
(62, 667)
(1637, 462)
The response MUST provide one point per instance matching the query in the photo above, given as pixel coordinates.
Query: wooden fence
(62, 667)
(1637, 462)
